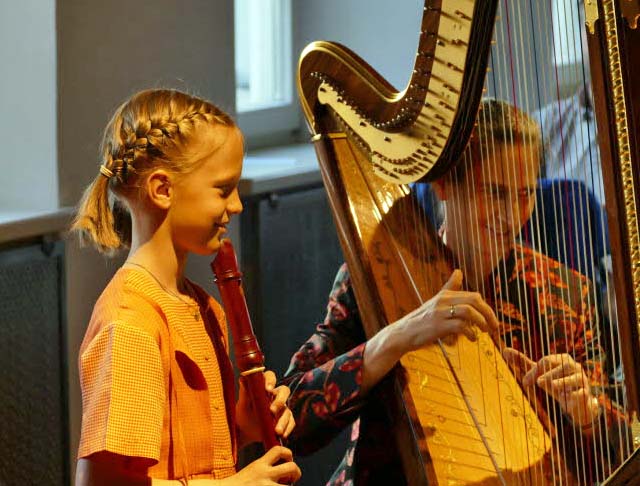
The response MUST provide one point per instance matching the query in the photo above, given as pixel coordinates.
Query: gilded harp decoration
(412, 132)
(497, 127)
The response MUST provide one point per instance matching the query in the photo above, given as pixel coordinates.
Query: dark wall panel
(290, 255)
(33, 417)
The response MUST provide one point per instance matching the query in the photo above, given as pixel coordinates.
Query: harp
(462, 416)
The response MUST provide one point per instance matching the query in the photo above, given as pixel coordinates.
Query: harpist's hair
(498, 124)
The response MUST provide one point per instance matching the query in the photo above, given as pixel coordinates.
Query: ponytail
(97, 223)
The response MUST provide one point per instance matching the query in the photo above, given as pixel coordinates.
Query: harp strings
(573, 210)
(568, 210)
(492, 199)
(519, 38)
(515, 87)
(599, 440)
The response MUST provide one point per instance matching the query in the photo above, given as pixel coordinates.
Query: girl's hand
(451, 311)
(245, 415)
(274, 468)
(285, 421)
(562, 378)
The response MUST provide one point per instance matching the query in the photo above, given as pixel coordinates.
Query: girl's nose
(234, 205)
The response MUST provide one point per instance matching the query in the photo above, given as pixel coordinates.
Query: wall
(107, 51)
(383, 33)
(28, 101)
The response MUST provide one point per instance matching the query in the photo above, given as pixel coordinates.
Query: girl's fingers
(291, 424)
(289, 471)
(281, 395)
(269, 380)
(285, 423)
(277, 454)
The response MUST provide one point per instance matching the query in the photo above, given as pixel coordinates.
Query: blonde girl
(158, 390)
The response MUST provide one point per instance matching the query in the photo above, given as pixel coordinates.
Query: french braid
(150, 130)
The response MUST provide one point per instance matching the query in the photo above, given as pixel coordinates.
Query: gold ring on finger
(452, 311)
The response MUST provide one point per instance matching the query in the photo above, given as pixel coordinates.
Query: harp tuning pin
(462, 15)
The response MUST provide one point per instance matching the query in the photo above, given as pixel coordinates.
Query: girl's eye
(226, 190)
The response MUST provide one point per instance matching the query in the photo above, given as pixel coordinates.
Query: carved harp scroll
(461, 415)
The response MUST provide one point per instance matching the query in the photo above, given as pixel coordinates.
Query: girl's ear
(440, 188)
(159, 189)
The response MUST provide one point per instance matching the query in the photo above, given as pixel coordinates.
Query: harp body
(461, 415)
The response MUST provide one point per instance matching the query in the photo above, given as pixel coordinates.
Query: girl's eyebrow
(229, 181)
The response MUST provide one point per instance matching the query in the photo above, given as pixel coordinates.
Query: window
(28, 99)
(265, 100)
(567, 24)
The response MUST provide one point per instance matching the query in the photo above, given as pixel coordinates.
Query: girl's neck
(156, 253)
(167, 269)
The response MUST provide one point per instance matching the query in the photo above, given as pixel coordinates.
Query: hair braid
(150, 130)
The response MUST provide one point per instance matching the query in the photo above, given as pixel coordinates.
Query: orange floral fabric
(156, 380)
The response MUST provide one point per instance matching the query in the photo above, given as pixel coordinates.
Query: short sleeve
(123, 393)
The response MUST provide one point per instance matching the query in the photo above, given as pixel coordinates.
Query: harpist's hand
(451, 311)
(561, 377)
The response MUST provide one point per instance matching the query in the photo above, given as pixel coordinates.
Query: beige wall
(106, 51)
(383, 33)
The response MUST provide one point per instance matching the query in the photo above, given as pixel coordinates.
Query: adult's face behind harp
(486, 207)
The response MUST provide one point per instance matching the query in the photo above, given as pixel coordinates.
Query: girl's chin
(208, 249)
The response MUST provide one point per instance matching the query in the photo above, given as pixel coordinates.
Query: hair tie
(141, 143)
(105, 171)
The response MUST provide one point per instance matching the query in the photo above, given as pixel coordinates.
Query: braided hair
(151, 130)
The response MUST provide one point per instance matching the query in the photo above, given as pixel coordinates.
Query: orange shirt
(157, 381)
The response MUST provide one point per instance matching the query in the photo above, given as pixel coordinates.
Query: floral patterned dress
(326, 372)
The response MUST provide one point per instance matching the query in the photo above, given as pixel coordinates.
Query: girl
(158, 390)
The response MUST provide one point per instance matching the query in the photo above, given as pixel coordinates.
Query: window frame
(277, 124)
